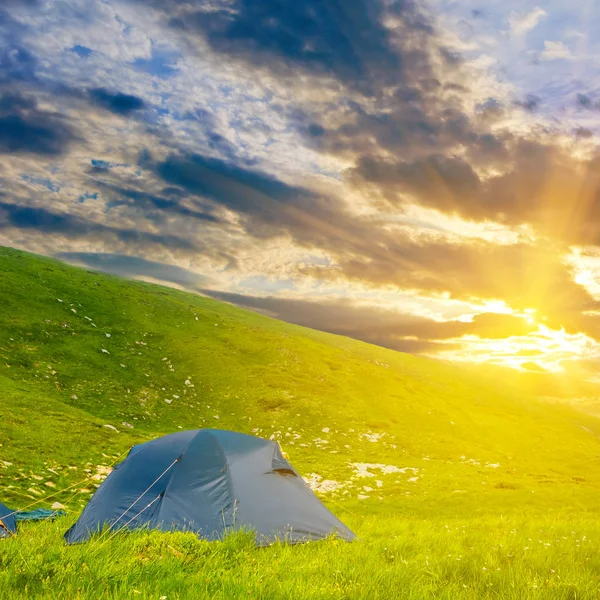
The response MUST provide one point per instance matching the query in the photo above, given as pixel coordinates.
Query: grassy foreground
(457, 487)
(512, 558)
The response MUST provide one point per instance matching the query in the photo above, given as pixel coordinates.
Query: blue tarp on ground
(209, 481)
(8, 523)
(38, 514)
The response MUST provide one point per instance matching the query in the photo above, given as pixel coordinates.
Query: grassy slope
(58, 390)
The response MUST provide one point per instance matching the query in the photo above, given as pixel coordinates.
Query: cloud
(155, 207)
(389, 328)
(116, 102)
(555, 51)
(25, 128)
(17, 64)
(584, 101)
(522, 23)
(531, 102)
(349, 42)
(269, 206)
(137, 267)
(43, 221)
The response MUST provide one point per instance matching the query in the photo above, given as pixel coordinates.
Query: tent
(208, 481)
(8, 523)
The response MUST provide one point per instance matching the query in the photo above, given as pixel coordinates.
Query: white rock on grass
(325, 486)
(325, 430)
(373, 437)
(105, 351)
(111, 427)
(102, 472)
(364, 469)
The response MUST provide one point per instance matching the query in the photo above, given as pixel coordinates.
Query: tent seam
(227, 473)
(164, 492)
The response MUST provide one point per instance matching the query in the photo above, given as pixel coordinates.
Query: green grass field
(457, 485)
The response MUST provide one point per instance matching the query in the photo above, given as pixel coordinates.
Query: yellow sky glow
(545, 349)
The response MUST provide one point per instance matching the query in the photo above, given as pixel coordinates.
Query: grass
(91, 364)
(510, 558)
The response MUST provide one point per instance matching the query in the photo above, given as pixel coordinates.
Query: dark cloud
(346, 40)
(43, 221)
(268, 206)
(116, 102)
(542, 185)
(585, 101)
(136, 267)
(406, 333)
(25, 128)
(583, 132)
(219, 180)
(16, 65)
(524, 276)
(156, 207)
(437, 181)
(531, 102)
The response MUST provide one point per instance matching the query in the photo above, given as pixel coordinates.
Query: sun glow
(545, 349)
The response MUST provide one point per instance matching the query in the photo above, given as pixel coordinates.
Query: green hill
(91, 364)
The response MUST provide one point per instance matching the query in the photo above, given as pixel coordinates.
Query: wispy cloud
(555, 51)
(522, 23)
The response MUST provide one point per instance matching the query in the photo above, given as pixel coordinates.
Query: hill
(91, 364)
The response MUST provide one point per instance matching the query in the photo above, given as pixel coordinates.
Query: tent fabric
(8, 523)
(209, 481)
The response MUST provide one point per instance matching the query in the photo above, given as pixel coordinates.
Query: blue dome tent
(208, 481)
(8, 523)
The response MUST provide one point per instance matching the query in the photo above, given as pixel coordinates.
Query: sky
(420, 175)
